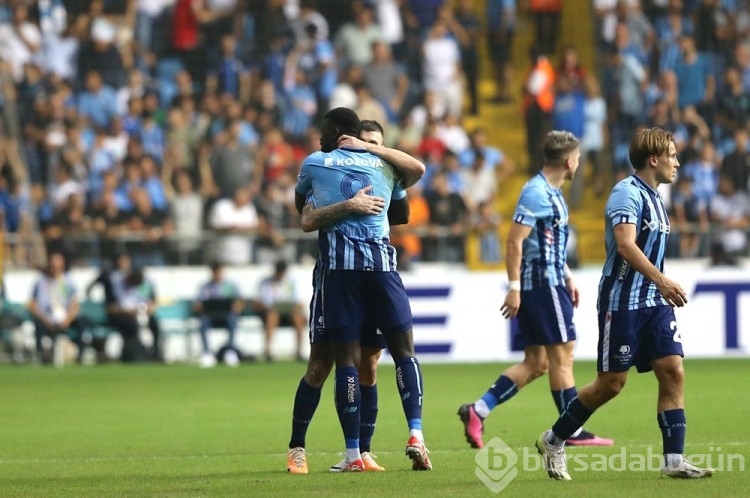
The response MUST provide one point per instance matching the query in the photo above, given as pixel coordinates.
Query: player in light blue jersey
(542, 293)
(360, 286)
(637, 324)
(320, 362)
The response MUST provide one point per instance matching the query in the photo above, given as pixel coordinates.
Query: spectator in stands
(571, 70)
(547, 16)
(318, 60)
(274, 215)
(386, 80)
(300, 106)
(54, 309)
(736, 166)
(539, 99)
(102, 56)
(354, 40)
(368, 107)
(228, 74)
(448, 216)
(695, 78)
(485, 224)
(465, 25)
(501, 28)
(441, 68)
(278, 305)
(236, 221)
(704, 171)
(186, 211)
(150, 226)
(595, 134)
(97, 102)
(569, 114)
(733, 103)
(691, 218)
(231, 164)
(730, 209)
(480, 183)
(19, 40)
(218, 305)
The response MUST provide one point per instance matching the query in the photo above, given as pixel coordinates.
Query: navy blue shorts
(636, 337)
(354, 300)
(370, 337)
(545, 317)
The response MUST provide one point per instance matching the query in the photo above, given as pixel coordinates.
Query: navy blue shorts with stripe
(636, 337)
(545, 317)
(352, 300)
(370, 337)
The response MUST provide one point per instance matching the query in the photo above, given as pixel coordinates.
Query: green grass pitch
(182, 431)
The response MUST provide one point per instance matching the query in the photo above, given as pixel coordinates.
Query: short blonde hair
(558, 146)
(648, 142)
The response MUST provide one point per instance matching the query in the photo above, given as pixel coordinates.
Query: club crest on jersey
(371, 162)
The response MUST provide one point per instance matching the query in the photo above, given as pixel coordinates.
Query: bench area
(179, 326)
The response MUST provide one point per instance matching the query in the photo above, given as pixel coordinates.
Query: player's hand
(511, 304)
(364, 203)
(348, 141)
(574, 292)
(672, 292)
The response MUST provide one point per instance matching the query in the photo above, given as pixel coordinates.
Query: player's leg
(344, 311)
(533, 366)
(347, 393)
(368, 369)
(563, 388)
(388, 306)
(615, 328)
(664, 345)
(307, 397)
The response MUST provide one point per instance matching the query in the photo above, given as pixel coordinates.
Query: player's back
(543, 208)
(632, 201)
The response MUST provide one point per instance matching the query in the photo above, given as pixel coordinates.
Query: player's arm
(398, 212)
(627, 249)
(513, 253)
(411, 169)
(362, 203)
(575, 294)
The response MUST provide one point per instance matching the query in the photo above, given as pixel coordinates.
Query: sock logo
(400, 378)
(351, 388)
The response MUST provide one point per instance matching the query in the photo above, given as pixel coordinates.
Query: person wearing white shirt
(236, 220)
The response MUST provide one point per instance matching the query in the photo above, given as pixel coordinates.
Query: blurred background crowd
(173, 129)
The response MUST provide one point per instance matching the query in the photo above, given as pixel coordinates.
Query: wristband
(514, 285)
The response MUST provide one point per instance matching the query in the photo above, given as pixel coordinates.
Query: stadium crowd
(174, 129)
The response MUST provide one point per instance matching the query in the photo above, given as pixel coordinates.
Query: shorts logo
(623, 355)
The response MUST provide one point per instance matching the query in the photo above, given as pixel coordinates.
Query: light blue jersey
(543, 208)
(359, 242)
(621, 287)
